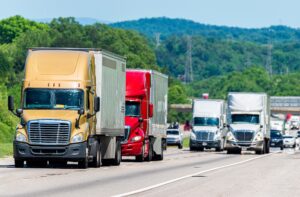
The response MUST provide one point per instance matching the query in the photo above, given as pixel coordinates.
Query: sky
(240, 13)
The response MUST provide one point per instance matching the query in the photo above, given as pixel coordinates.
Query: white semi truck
(209, 124)
(249, 123)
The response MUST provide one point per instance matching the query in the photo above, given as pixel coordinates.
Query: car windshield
(172, 132)
(132, 109)
(275, 134)
(53, 99)
(245, 118)
(206, 121)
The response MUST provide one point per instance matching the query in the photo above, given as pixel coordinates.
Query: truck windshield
(132, 109)
(53, 99)
(172, 132)
(206, 121)
(245, 118)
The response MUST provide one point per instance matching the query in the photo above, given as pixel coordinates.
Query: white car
(174, 137)
(289, 141)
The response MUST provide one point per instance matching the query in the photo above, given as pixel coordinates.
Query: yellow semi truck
(72, 108)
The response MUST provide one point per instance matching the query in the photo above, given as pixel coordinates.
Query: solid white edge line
(190, 175)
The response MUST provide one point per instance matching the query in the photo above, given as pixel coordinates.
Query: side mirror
(10, 103)
(80, 111)
(19, 112)
(141, 120)
(150, 110)
(97, 104)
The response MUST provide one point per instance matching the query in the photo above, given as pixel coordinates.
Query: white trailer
(159, 99)
(249, 120)
(209, 124)
(110, 72)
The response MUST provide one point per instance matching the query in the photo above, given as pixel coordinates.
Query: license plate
(204, 143)
(244, 148)
(273, 144)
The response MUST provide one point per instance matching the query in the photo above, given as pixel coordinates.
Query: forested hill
(167, 27)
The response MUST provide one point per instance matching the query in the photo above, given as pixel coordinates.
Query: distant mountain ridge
(167, 26)
(81, 20)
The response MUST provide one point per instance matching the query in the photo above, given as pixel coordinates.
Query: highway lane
(130, 176)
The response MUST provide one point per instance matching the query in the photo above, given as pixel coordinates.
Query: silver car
(289, 141)
(174, 137)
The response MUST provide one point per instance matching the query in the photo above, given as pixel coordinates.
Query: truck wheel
(218, 149)
(118, 154)
(96, 163)
(140, 158)
(201, 149)
(229, 152)
(267, 147)
(150, 152)
(160, 157)
(19, 163)
(281, 148)
(192, 148)
(83, 164)
(180, 146)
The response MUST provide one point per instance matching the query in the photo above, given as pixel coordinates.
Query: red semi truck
(145, 115)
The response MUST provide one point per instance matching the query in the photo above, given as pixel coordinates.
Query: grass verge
(6, 149)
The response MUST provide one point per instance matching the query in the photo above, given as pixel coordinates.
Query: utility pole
(269, 55)
(188, 71)
(157, 39)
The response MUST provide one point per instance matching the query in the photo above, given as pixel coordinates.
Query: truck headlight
(193, 136)
(258, 137)
(77, 138)
(230, 137)
(20, 137)
(136, 138)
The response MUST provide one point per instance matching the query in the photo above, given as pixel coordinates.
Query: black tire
(150, 152)
(96, 163)
(118, 154)
(218, 149)
(180, 146)
(281, 148)
(83, 164)
(19, 163)
(229, 152)
(160, 156)
(201, 149)
(267, 147)
(140, 158)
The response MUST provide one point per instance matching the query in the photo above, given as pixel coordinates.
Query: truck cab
(145, 115)
(61, 116)
(209, 121)
(249, 123)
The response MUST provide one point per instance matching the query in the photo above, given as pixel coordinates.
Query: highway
(181, 173)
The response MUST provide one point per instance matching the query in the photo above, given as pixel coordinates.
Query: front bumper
(205, 144)
(173, 141)
(250, 146)
(132, 149)
(71, 152)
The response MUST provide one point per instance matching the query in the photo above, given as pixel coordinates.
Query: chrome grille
(51, 132)
(244, 135)
(205, 136)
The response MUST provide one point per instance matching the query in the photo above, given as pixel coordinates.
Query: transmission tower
(269, 59)
(188, 71)
(157, 39)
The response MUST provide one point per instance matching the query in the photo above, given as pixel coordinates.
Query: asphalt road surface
(181, 173)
